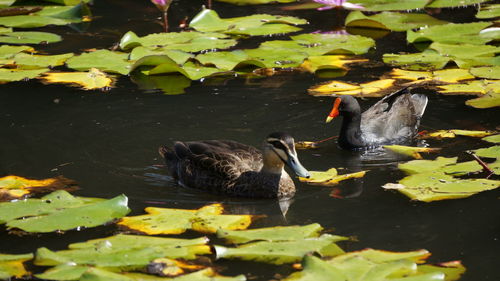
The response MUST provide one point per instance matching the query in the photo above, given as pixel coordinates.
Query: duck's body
(392, 120)
(235, 169)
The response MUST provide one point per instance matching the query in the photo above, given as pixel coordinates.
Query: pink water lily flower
(162, 4)
(330, 4)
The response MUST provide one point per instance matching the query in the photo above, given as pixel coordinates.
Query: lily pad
(493, 139)
(31, 21)
(179, 57)
(104, 60)
(422, 166)
(29, 61)
(11, 266)
(490, 152)
(427, 60)
(184, 41)
(375, 265)
(256, 2)
(7, 52)
(377, 88)
(279, 58)
(91, 80)
(452, 75)
(10, 75)
(322, 44)
(51, 219)
(29, 37)
(451, 33)
(411, 151)
(391, 5)
(491, 72)
(277, 233)
(434, 185)
(207, 219)
(476, 87)
(391, 20)
(229, 60)
(318, 63)
(280, 252)
(452, 3)
(330, 177)
(441, 134)
(489, 11)
(486, 101)
(257, 24)
(13, 187)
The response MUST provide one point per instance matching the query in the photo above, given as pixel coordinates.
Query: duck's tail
(171, 159)
(419, 103)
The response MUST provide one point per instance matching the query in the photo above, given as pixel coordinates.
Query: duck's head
(343, 105)
(279, 149)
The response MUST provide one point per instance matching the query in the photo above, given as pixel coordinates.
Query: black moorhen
(392, 120)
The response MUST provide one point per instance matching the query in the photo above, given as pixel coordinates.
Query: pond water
(108, 143)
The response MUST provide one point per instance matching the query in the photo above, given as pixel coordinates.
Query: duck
(234, 169)
(392, 120)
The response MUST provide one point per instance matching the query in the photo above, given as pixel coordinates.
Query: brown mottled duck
(235, 169)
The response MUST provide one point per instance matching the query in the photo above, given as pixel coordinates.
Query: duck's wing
(393, 118)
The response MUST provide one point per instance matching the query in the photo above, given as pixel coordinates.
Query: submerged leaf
(91, 80)
(391, 20)
(411, 151)
(281, 252)
(207, 219)
(11, 266)
(277, 233)
(12, 187)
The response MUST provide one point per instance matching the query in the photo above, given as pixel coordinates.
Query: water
(108, 143)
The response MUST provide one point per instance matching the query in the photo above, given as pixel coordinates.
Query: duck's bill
(298, 169)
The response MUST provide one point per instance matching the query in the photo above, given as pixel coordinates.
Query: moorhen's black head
(343, 105)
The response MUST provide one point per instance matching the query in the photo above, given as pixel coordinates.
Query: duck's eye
(278, 145)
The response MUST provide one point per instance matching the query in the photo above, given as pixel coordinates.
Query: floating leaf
(7, 52)
(171, 267)
(257, 24)
(439, 76)
(486, 101)
(10, 75)
(281, 252)
(29, 37)
(420, 61)
(179, 57)
(12, 187)
(30, 21)
(183, 41)
(411, 151)
(63, 272)
(207, 219)
(490, 152)
(274, 57)
(478, 87)
(103, 60)
(28, 61)
(91, 80)
(322, 44)
(452, 3)
(229, 60)
(391, 20)
(277, 233)
(491, 72)
(333, 180)
(441, 134)
(432, 186)
(317, 63)
(371, 264)
(371, 89)
(493, 139)
(388, 5)
(489, 11)
(451, 33)
(12, 266)
(420, 166)
(255, 2)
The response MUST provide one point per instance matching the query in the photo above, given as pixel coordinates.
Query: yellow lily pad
(476, 87)
(12, 266)
(441, 134)
(411, 151)
(207, 219)
(371, 89)
(12, 187)
(487, 101)
(306, 145)
(91, 80)
(315, 63)
(171, 267)
(453, 75)
(329, 177)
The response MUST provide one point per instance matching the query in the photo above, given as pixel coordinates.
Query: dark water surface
(108, 143)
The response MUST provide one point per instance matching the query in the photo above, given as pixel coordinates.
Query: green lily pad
(489, 72)
(391, 20)
(490, 152)
(161, 64)
(279, 58)
(12, 266)
(177, 56)
(489, 11)
(183, 41)
(87, 215)
(30, 21)
(391, 5)
(493, 139)
(10, 75)
(29, 37)
(315, 64)
(410, 151)
(207, 219)
(321, 44)
(440, 164)
(6, 3)
(280, 252)
(104, 60)
(7, 52)
(255, 2)
(375, 265)
(277, 233)
(453, 3)
(476, 87)
(28, 61)
(258, 24)
(63, 272)
(419, 61)
(229, 60)
(432, 186)
(451, 33)
(489, 100)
